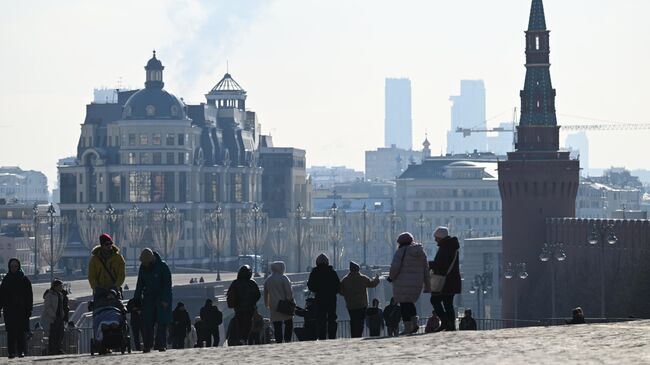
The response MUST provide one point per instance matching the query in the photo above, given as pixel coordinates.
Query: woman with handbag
(278, 297)
(446, 268)
(409, 274)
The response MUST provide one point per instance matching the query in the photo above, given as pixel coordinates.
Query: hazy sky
(314, 70)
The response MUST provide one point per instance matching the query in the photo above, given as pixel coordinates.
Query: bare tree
(216, 229)
(279, 240)
(53, 236)
(91, 225)
(167, 229)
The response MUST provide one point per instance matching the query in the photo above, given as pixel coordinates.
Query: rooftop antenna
(227, 67)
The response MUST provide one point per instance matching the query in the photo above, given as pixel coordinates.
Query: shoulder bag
(438, 281)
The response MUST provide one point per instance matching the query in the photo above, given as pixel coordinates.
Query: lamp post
(50, 212)
(601, 234)
(421, 223)
(480, 286)
(334, 211)
(552, 252)
(111, 216)
(35, 218)
(513, 272)
(215, 234)
(168, 214)
(300, 213)
(256, 215)
(278, 240)
(364, 214)
(134, 230)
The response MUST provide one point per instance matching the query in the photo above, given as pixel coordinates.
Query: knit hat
(354, 266)
(405, 238)
(322, 259)
(146, 256)
(441, 232)
(105, 239)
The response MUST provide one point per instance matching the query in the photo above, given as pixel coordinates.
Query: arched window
(151, 110)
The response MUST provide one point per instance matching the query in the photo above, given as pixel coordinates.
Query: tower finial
(227, 67)
(154, 53)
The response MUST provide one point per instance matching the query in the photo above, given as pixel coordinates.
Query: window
(81, 179)
(170, 140)
(429, 205)
(157, 158)
(144, 158)
(144, 140)
(181, 158)
(170, 158)
(466, 206)
(237, 187)
(416, 205)
(157, 139)
(174, 111)
(537, 43)
(131, 139)
(131, 158)
(457, 205)
(438, 206)
(139, 187)
(181, 139)
(151, 110)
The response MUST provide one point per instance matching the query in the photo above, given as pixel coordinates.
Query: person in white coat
(277, 287)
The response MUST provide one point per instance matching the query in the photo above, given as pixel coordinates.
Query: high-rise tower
(537, 182)
(398, 125)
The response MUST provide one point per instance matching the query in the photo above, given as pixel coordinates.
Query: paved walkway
(623, 343)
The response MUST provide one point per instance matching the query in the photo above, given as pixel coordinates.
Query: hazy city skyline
(318, 67)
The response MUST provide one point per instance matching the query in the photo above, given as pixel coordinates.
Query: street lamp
(300, 213)
(35, 218)
(214, 231)
(513, 272)
(364, 214)
(278, 240)
(135, 229)
(334, 212)
(601, 234)
(421, 223)
(50, 212)
(552, 252)
(168, 215)
(480, 286)
(256, 215)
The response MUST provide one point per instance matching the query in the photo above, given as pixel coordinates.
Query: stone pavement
(622, 343)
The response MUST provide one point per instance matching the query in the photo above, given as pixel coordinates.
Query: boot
(415, 323)
(408, 328)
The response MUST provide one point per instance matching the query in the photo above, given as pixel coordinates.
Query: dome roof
(153, 103)
(462, 164)
(227, 84)
(154, 63)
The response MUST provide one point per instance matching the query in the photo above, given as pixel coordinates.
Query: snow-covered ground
(623, 343)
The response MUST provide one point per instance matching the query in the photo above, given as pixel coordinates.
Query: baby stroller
(110, 328)
(308, 331)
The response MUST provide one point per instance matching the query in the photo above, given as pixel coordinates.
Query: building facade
(468, 111)
(23, 186)
(284, 181)
(398, 122)
(390, 162)
(538, 181)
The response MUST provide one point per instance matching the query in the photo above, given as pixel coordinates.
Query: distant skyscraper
(578, 143)
(468, 111)
(398, 124)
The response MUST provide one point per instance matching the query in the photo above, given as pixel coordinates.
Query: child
(432, 324)
(256, 329)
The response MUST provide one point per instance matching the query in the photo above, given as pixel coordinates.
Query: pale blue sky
(314, 70)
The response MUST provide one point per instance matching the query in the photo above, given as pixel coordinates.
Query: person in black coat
(16, 301)
(181, 326)
(324, 281)
(134, 307)
(243, 295)
(467, 323)
(446, 261)
(211, 317)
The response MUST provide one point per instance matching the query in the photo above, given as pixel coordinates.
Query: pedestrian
(374, 319)
(325, 283)
(433, 323)
(446, 264)
(201, 280)
(16, 301)
(409, 274)
(467, 323)
(134, 307)
(211, 318)
(106, 269)
(278, 297)
(154, 290)
(242, 296)
(577, 316)
(181, 326)
(202, 333)
(55, 316)
(354, 287)
(257, 326)
(392, 317)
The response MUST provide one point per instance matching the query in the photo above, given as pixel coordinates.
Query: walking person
(55, 316)
(374, 319)
(242, 296)
(16, 301)
(354, 288)
(211, 319)
(392, 317)
(154, 290)
(467, 323)
(409, 274)
(446, 264)
(134, 307)
(181, 326)
(325, 283)
(278, 297)
(107, 268)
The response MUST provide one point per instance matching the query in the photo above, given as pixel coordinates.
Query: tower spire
(537, 19)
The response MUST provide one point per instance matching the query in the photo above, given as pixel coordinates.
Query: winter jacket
(392, 315)
(16, 299)
(467, 324)
(98, 277)
(447, 249)
(374, 319)
(409, 273)
(55, 307)
(245, 291)
(181, 323)
(211, 317)
(354, 289)
(277, 287)
(154, 287)
(324, 281)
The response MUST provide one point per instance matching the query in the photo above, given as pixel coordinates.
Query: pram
(308, 330)
(110, 328)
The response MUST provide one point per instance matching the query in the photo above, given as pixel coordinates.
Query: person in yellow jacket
(106, 269)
